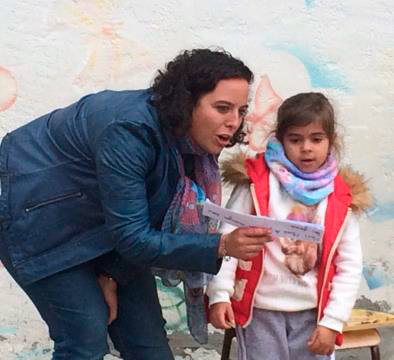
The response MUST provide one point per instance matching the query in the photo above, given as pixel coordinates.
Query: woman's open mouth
(223, 139)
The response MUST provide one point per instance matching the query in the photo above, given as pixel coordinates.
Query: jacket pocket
(53, 200)
(52, 221)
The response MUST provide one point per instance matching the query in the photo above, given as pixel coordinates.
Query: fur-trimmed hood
(233, 172)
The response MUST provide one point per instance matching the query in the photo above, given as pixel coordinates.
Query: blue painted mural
(322, 72)
(309, 3)
(377, 275)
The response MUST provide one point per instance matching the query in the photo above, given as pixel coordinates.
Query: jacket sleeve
(347, 279)
(221, 287)
(125, 153)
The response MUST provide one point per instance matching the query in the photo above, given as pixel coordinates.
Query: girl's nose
(306, 145)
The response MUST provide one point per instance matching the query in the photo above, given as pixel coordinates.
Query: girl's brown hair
(303, 109)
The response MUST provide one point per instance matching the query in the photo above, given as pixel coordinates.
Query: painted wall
(53, 52)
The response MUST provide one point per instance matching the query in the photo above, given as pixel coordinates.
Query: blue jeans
(72, 305)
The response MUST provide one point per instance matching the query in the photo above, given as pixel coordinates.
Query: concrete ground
(23, 335)
(183, 344)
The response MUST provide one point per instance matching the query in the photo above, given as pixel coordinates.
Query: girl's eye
(317, 140)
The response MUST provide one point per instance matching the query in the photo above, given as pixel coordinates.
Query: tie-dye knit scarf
(306, 188)
(185, 216)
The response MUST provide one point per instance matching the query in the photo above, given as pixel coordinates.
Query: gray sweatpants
(277, 335)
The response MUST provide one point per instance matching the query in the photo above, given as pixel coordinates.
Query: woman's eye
(317, 140)
(243, 112)
(222, 109)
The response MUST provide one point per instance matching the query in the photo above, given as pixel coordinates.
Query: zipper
(258, 213)
(54, 200)
(248, 321)
(327, 269)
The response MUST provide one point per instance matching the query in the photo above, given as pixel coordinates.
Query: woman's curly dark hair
(192, 74)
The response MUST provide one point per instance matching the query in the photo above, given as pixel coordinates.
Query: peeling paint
(377, 274)
(34, 354)
(173, 305)
(8, 329)
(365, 303)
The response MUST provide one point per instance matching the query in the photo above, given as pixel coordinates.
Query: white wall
(52, 52)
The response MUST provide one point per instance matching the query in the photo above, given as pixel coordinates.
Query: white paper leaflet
(280, 228)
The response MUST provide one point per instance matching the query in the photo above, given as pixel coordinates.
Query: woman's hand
(221, 315)
(109, 287)
(244, 243)
(322, 341)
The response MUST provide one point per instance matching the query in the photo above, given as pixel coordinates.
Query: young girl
(291, 301)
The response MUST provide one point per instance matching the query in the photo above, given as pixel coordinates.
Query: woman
(108, 183)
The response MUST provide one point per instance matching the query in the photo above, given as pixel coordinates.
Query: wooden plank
(359, 339)
(362, 319)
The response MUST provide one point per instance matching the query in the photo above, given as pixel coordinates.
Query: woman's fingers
(245, 243)
(109, 287)
(255, 232)
(113, 308)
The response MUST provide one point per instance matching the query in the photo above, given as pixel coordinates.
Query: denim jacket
(93, 177)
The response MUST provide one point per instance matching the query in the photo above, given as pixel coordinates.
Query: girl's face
(218, 114)
(306, 147)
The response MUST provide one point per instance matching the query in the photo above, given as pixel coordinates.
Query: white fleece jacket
(279, 289)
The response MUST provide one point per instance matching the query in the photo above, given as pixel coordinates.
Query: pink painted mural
(8, 89)
(260, 120)
(110, 57)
